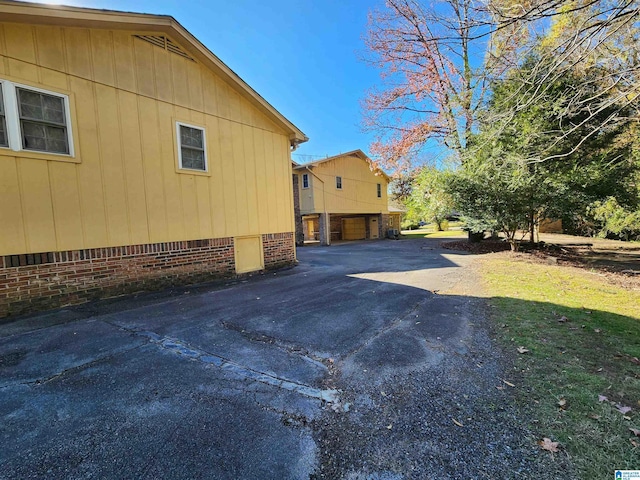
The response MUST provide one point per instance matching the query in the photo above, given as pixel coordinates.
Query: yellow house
(130, 157)
(343, 197)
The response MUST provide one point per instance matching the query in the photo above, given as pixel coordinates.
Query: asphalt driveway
(360, 363)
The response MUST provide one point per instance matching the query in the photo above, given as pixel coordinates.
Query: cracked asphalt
(369, 360)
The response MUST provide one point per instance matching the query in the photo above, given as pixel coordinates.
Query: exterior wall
(35, 282)
(310, 196)
(120, 216)
(296, 210)
(123, 187)
(279, 249)
(76, 276)
(358, 193)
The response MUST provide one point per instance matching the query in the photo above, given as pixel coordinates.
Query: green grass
(576, 360)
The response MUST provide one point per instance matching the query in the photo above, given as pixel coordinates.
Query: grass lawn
(582, 334)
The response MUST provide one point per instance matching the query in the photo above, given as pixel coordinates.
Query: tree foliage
(513, 174)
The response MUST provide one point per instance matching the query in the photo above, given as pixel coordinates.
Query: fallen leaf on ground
(623, 408)
(389, 427)
(635, 431)
(597, 330)
(562, 403)
(547, 444)
(635, 360)
(595, 417)
(633, 442)
(563, 319)
(522, 350)
(602, 398)
(457, 422)
(508, 383)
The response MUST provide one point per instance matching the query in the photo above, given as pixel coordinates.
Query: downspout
(327, 227)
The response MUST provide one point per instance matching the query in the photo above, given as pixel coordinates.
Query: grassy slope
(576, 360)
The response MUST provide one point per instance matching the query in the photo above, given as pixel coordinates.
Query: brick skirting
(279, 249)
(48, 280)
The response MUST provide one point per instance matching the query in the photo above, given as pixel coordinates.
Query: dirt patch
(617, 262)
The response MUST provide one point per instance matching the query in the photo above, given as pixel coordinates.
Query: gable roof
(354, 153)
(62, 15)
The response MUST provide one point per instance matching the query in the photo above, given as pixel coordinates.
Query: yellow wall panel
(248, 252)
(240, 175)
(209, 93)
(270, 177)
(194, 85)
(251, 190)
(162, 68)
(102, 57)
(22, 70)
(53, 79)
(112, 168)
(167, 163)
(261, 181)
(153, 175)
(204, 206)
(124, 61)
(77, 42)
(130, 143)
(125, 189)
(19, 42)
(216, 181)
(12, 239)
(180, 80)
(228, 179)
(37, 205)
(143, 60)
(189, 203)
(50, 47)
(90, 170)
(66, 206)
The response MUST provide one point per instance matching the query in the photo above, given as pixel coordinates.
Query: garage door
(354, 229)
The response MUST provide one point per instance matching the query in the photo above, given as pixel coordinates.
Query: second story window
(42, 121)
(379, 187)
(34, 119)
(191, 147)
(339, 183)
(305, 180)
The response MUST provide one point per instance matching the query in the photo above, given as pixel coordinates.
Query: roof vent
(166, 43)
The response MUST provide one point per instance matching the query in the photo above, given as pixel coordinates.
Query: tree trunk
(532, 227)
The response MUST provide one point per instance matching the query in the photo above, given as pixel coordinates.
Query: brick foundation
(48, 280)
(279, 249)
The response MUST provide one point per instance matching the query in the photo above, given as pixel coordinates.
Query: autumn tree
(437, 60)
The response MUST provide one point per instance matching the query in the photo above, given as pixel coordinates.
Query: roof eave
(23, 12)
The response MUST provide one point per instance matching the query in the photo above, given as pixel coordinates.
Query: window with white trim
(192, 147)
(34, 119)
(305, 180)
(379, 187)
(339, 183)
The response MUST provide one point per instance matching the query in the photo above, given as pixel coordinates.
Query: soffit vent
(166, 43)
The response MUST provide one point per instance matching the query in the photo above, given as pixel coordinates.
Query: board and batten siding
(359, 188)
(123, 188)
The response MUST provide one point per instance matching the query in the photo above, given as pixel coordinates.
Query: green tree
(543, 160)
(429, 196)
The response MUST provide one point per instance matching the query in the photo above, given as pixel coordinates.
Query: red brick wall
(59, 278)
(279, 249)
(48, 280)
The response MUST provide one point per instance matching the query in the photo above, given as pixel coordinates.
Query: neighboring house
(131, 157)
(395, 218)
(340, 198)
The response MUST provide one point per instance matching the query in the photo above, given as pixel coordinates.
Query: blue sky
(302, 56)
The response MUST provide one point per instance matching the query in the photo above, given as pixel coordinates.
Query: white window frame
(305, 176)
(338, 187)
(204, 146)
(379, 190)
(12, 117)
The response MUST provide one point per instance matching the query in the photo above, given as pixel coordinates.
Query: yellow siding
(124, 187)
(358, 193)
